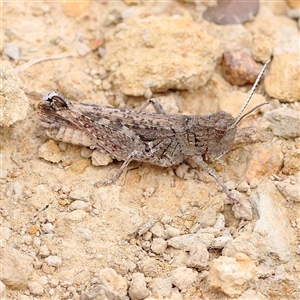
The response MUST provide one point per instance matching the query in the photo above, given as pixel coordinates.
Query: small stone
(262, 48)
(159, 245)
(5, 232)
(198, 257)
(33, 229)
(171, 231)
(80, 194)
(75, 11)
(149, 267)
(285, 122)
(66, 163)
(86, 152)
(288, 190)
(243, 187)
(35, 288)
(15, 268)
(14, 104)
(183, 277)
(161, 287)
(100, 159)
(239, 68)
(53, 261)
(232, 275)
(158, 231)
(49, 151)
(138, 289)
(12, 51)
(80, 205)
(110, 279)
(47, 228)
(265, 160)
(285, 88)
(44, 251)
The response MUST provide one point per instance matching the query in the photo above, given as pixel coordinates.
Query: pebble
(158, 245)
(158, 231)
(5, 232)
(47, 228)
(198, 257)
(14, 104)
(116, 283)
(273, 221)
(161, 287)
(15, 268)
(239, 68)
(171, 231)
(53, 261)
(183, 277)
(80, 194)
(149, 35)
(12, 51)
(49, 151)
(149, 266)
(264, 160)
(232, 275)
(44, 251)
(243, 187)
(290, 190)
(80, 205)
(35, 288)
(100, 159)
(285, 122)
(285, 88)
(138, 288)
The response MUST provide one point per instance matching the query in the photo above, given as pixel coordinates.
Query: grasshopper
(156, 138)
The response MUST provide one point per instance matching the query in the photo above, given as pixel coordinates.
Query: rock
(138, 288)
(14, 104)
(171, 231)
(12, 51)
(149, 266)
(183, 277)
(239, 68)
(151, 36)
(16, 268)
(113, 282)
(49, 151)
(285, 88)
(53, 261)
(251, 244)
(80, 194)
(161, 287)
(273, 223)
(158, 245)
(291, 162)
(35, 288)
(198, 257)
(262, 47)
(232, 102)
(80, 205)
(285, 122)
(228, 12)
(158, 231)
(75, 11)
(100, 159)
(185, 241)
(232, 275)
(289, 188)
(47, 228)
(264, 160)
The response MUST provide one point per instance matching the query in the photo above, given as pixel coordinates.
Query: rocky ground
(157, 233)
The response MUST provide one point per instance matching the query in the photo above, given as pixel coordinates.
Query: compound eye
(220, 128)
(56, 100)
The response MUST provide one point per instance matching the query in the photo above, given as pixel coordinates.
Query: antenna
(238, 118)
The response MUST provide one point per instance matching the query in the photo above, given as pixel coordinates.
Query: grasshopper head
(222, 133)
